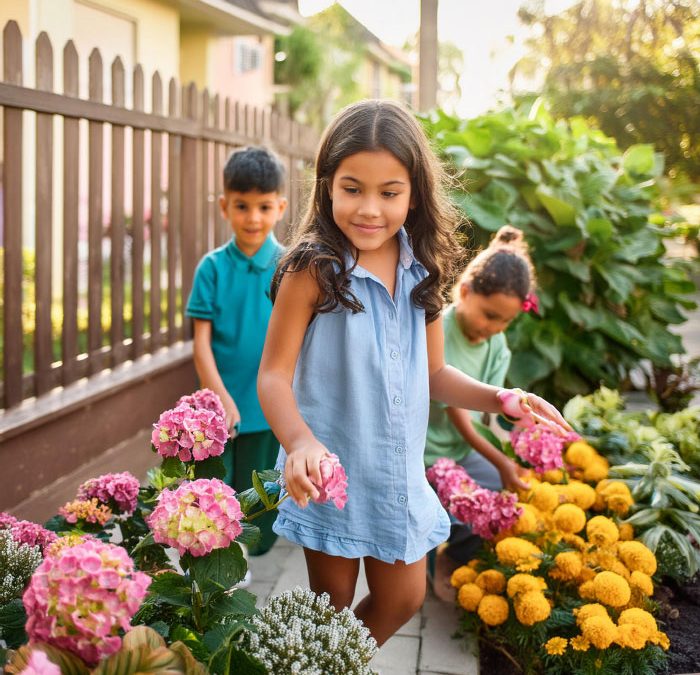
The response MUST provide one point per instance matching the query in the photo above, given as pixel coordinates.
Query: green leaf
(260, 489)
(250, 534)
(269, 475)
(172, 467)
(638, 245)
(479, 141)
(12, 620)
(548, 343)
(487, 214)
(239, 603)
(171, 588)
(211, 467)
(220, 634)
(145, 542)
(666, 310)
(600, 228)
(248, 499)
(562, 212)
(528, 367)
(223, 567)
(639, 159)
(576, 268)
(584, 316)
(488, 435)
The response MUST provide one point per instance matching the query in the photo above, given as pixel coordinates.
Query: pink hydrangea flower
(189, 433)
(486, 511)
(39, 664)
(449, 478)
(197, 517)
(540, 447)
(83, 597)
(89, 510)
(334, 482)
(27, 532)
(119, 490)
(204, 398)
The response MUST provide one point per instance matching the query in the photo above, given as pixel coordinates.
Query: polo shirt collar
(262, 259)
(406, 256)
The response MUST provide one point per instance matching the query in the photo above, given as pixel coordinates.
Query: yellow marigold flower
(611, 589)
(580, 643)
(569, 518)
(474, 563)
(631, 635)
(620, 569)
(568, 565)
(528, 520)
(643, 582)
(531, 608)
(469, 596)
(587, 590)
(493, 610)
(586, 574)
(518, 553)
(463, 575)
(596, 470)
(600, 631)
(626, 532)
(492, 581)
(574, 540)
(620, 504)
(556, 646)
(661, 639)
(545, 497)
(639, 617)
(637, 557)
(602, 531)
(553, 476)
(581, 494)
(524, 583)
(612, 487)
(580, 453)
(587, 611)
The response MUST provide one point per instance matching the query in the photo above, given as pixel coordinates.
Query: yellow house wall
(194, 55)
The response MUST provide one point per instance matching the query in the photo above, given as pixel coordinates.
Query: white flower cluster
(300, 633)
(17, 564)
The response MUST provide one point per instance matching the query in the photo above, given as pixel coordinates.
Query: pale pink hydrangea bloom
(197, 517)
(486, 511)
(39, 664)
(27, 532)
(334, 482)
(189, 433)
(89, 510)
(204, 398)
(114, 489)
(540, 447)
(83, 597)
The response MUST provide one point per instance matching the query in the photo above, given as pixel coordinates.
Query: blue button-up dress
(361, 384)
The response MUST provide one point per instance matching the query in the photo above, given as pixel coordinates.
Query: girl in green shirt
(495, 287)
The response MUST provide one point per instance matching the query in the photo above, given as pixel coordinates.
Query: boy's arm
(507, 468)
(208, 373)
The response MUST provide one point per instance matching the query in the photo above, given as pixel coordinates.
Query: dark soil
(679, 618)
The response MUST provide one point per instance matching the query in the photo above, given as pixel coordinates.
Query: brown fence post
(156, 216)
(43, 334)
(174, 224)
(12, 211)
(117, 220)
(95, 216)
(137, 222)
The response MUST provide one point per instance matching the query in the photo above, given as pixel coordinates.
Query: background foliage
(607, 293)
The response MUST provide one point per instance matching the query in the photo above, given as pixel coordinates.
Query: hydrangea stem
(252, 516)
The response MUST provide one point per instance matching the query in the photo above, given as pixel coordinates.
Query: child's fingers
(299, 485)
(548, 411)
(313, 469)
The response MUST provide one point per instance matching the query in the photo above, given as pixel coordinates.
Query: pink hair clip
(531, 304)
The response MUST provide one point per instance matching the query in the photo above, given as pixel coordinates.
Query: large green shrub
(607, 294)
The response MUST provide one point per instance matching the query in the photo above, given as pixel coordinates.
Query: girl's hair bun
(508, 235)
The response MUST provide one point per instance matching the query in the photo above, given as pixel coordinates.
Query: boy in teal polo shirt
(230, 305)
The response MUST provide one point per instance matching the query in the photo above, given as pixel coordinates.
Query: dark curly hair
(319, 245)
(503, 267)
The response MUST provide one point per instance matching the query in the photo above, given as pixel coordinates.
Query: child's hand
(302, 470)
(233, 417)
(528, 409)
(511, 473)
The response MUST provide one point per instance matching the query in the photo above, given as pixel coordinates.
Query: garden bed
(679, 615)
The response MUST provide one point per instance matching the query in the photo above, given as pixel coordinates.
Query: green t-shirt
(487, 362)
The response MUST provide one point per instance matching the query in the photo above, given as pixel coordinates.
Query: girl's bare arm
(291, 314)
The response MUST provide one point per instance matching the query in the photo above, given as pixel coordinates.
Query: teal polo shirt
(232, 291)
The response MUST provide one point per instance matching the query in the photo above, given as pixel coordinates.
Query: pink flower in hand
(334, 482)
(39, 664)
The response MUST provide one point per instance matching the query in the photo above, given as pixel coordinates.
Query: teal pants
(256, 451)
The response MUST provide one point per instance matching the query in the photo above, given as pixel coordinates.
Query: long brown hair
(320, 246)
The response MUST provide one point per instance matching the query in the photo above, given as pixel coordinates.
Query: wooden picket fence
(176, 150)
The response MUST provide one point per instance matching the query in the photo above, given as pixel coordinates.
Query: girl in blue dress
(353, 355)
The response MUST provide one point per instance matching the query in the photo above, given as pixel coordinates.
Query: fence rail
(138, 210)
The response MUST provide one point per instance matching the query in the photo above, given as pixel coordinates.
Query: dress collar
(262, 259)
